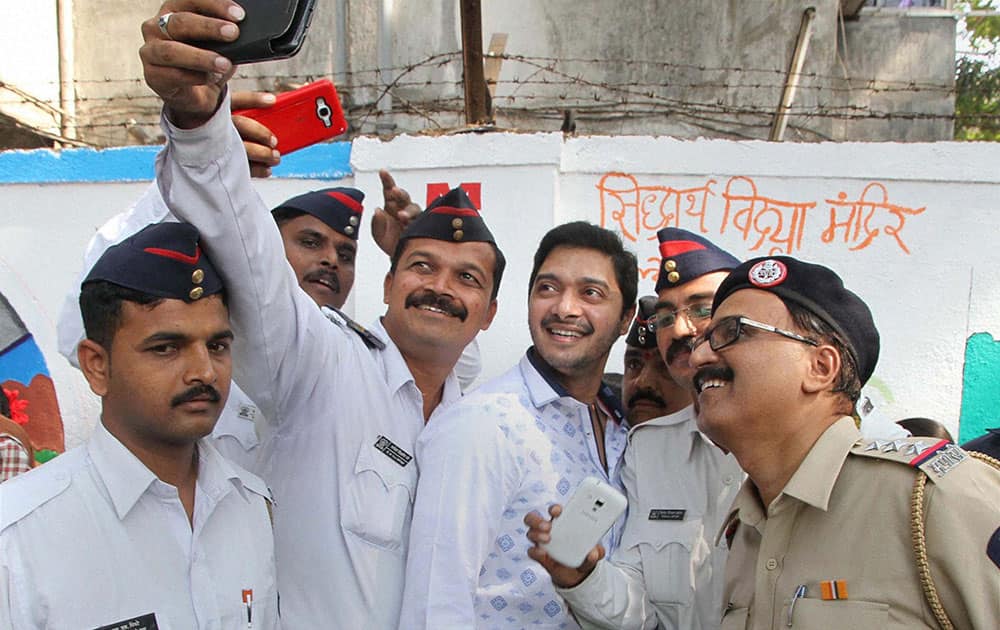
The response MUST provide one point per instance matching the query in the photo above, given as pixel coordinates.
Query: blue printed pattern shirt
(517, 444)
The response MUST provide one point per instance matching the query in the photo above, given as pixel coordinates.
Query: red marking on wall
(473, 189)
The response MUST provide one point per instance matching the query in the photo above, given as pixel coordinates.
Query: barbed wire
(543, 88)
(441, 59)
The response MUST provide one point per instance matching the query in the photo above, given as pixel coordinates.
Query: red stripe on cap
(920, 459)
(676, 248)
(169, 253)
(349, 201)
(458, 212)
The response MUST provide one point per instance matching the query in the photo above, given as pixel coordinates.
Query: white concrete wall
(940, 204)
(29, 46)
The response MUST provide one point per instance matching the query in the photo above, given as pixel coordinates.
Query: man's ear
(491, 312)
(823, 369)
(95, 363)
(626, 321)
(385, 287)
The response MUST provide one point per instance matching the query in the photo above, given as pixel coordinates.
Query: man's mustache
(645, 394)
(198, 391)
(678, 346)
(427, 297)
(325, 275)
(711, 374)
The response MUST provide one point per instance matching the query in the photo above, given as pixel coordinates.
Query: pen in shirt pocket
(800, 592)
(248, 602)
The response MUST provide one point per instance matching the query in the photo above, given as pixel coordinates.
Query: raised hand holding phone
(258, 140)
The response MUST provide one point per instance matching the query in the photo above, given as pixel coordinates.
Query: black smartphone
(272, 29)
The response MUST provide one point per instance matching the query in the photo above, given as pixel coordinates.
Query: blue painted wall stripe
(129, 164)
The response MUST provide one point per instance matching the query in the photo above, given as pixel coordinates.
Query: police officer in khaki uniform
(832, 531)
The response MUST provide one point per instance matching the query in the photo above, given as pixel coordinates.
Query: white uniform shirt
(236, 433)
(514, 445)
(668, 568)
(94, 538)
(346, 417)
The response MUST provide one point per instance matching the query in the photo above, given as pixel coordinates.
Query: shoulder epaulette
(935, 457)
(341, 319)
(255, 484)
(728, 529)
(25, 493)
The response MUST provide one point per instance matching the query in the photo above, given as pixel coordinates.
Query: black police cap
(685, 256)
(340, 208)
(162, 259)
(451, 217)
(642, 334)
(819, 290)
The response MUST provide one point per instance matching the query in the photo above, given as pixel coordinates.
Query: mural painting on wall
(23, 372)
(768, 225)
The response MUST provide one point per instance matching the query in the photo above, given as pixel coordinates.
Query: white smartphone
(586, 517)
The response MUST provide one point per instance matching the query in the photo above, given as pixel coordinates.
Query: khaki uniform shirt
(845, 515)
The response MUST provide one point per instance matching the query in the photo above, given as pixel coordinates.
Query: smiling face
(439, 297)
(165, 378)
(755, 388)
(322, 258)
(696, 296)
(575, 311)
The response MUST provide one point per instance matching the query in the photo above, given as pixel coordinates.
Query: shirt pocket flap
(667, 550)
(378, 500)
(659, 534)
(839, 613)
(387, 470)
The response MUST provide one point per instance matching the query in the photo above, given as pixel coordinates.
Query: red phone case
(305, 116)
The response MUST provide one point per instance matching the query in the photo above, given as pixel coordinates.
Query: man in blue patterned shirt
(522, 442)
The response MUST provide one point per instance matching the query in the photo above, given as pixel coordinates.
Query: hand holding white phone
(586, 517)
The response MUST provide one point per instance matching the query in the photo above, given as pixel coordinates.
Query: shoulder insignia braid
(935, 457)
(341, 319)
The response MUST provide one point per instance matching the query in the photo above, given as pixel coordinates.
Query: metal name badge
(667, 515)
(946, 459)
(247, 412)
(145, 622)
(393, 452)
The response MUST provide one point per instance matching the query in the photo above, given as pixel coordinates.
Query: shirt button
(771, 564)
(728, 480)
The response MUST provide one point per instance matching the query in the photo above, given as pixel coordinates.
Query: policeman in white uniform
(668, 569)
(348, 402)
(146, 525)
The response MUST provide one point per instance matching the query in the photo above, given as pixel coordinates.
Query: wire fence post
(476, 106)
